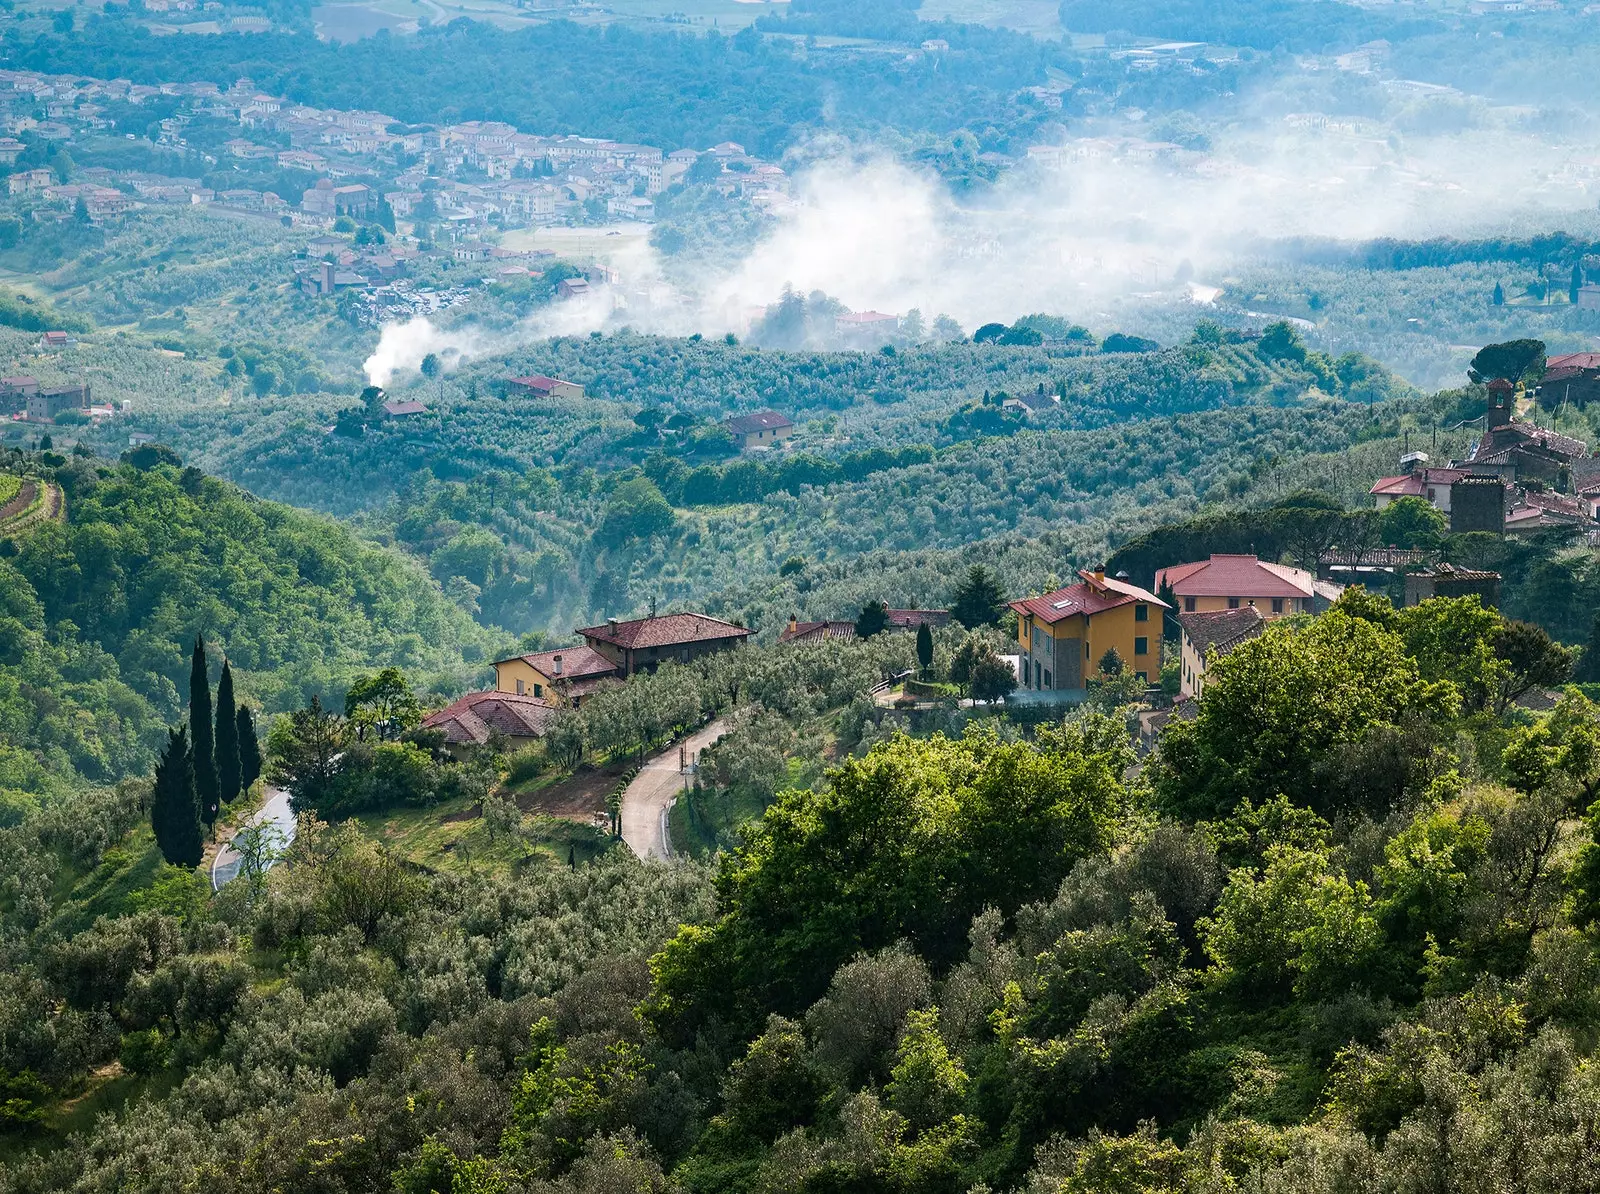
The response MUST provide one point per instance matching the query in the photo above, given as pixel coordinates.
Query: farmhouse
(646, 643)
(1225, 582)
(546, 387)
(760, 430)
(1064, 635)
(567, 674)
(476, 718)
(1209, 636)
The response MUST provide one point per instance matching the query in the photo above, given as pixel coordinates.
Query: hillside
(100, 612)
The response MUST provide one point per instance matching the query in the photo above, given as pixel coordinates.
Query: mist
(1088, 235)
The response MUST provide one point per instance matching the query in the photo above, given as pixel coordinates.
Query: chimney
(1100, 574)
(611, 625)
(327, 277)
(794, 623)
(555, 664)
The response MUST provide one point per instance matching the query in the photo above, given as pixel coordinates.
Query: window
(1188, 605)
(538, 690)
(1141, 613)
(1277, 605)
(1233, 603)
(1036, 675)
(1141, 646)
(1086, 648)
(1047, 683)
(519, 687)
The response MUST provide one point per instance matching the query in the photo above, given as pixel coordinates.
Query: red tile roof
(910, 619)
(475, 717)
(1090, 596)
(1236, 576)
(762, 420)
(816, 632)
(669, 631)
(577, 663)
(1219, 631)
(1573, 360)
(540, 383)
(1414, 484)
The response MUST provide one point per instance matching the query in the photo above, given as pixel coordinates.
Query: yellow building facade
(1063, 636)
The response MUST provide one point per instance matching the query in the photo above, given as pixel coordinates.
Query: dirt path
(21, 502)
(655, 790)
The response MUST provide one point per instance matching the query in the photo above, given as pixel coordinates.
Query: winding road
(275, 809)
(655, 789)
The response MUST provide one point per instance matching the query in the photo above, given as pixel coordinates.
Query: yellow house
(1210, 635)
(570, 673)
(1064, 635)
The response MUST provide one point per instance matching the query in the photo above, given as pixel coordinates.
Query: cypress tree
(924, 648)
(249, 749)
(175, 809)
(202, 733)
(229, 772)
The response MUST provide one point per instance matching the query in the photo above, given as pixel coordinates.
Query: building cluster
(530, 689)
(1518, 478)
(460, 178)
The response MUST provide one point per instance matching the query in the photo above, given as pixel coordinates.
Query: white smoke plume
(1093, 228)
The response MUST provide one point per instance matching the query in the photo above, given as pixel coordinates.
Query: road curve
(274, 808)
(655, 789)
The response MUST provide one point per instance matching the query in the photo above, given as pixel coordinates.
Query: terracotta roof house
(645, 643)
(546, 387)
(1573, 378)
(910, 619)
(395, 409)
(477, 717)
(1209, 636)
(1234, 581)
(759, 430)
(816, 632)
(565, 674)
(1446, 580)
(898, 619)
(1064, 635)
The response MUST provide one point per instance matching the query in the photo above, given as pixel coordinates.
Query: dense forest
(100, 613)
(1334, 934)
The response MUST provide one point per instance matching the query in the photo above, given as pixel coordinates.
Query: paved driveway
(654, 791)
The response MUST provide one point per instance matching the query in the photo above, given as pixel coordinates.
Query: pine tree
(202, 733)
(230, 775)
(924, 648)
(979, 599)
(249, 749)
(174, 808)
(1499, 295)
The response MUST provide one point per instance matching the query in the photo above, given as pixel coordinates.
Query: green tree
(908, 843)
(928, 1084)
(925, 649)
(1281, 710)
(1111, 663)
(1532, 660)
(433, 368)
(202, 733)
(873, 619)
(1515, 360)
(304, 749)
(1412, 522)
(979, 600)
(174, 806)
(249, 749)
(80, 212)
(230, 771)
(1576, 285)
(636, 510)
(993, 679)
(1281, 342)
(383, 703)
(1499, 296)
